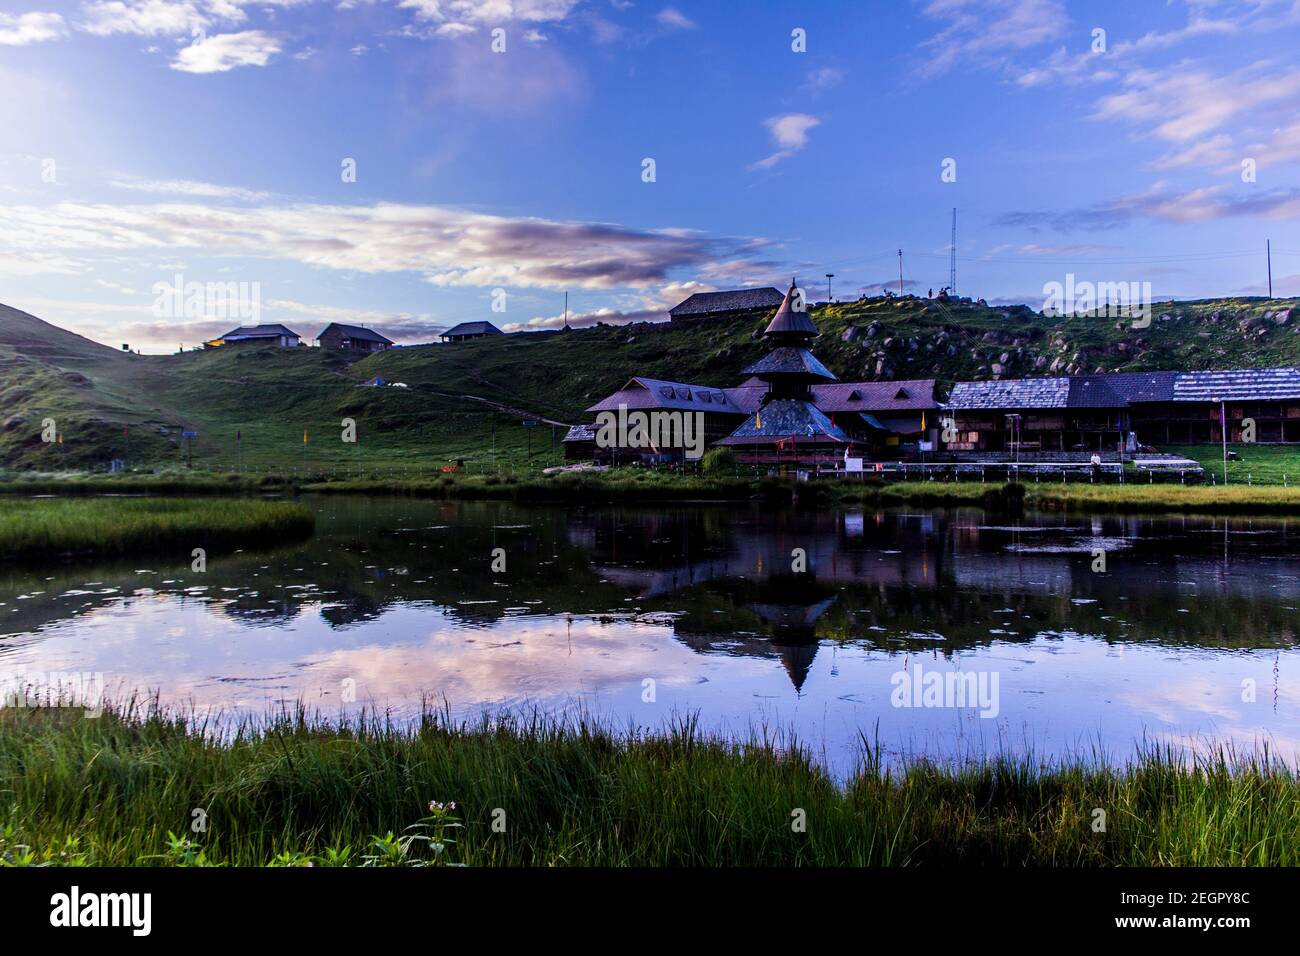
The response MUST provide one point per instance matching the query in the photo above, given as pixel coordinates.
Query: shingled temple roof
(785, 419)
(788, 360)
(791, 322)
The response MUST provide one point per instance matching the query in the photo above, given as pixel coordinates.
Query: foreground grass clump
(123, 789)
(106, 527)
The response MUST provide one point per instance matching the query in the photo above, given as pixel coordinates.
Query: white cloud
(495, 12)
(149, 17)
(187, 187)
(25, 28)
(225, 51)
(20, 262)
(985, 31)
(674, 19)
(823, 78)
(790, 131)
(1186, 103)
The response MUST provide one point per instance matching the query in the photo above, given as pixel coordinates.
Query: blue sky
(145, 139)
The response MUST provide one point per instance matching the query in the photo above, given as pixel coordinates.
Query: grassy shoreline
(633, 485)
(110, 527)
(122, 789)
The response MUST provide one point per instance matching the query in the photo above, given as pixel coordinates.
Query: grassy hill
(251, 404)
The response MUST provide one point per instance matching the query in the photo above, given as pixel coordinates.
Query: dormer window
(901, 394)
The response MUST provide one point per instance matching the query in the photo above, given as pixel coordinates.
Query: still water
(826, 625)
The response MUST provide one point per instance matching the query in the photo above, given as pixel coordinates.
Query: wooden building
(1038, 419)
(352, 338)
(724, 305)
(886, 420)
(470, 330)
(1186, 408)
(275, 334)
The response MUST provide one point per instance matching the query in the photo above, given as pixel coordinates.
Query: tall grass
(123, 790)
(108, 527)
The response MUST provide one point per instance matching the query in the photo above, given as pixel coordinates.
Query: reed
(35, 529)
(122, 789)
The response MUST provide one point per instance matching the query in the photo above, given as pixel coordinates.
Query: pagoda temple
(788, 428)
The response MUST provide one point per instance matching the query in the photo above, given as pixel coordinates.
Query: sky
(411, 164)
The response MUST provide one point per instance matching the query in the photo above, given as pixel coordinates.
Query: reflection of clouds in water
(1178, 700)
(520, 659)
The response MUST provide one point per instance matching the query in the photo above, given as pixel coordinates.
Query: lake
(949, 633)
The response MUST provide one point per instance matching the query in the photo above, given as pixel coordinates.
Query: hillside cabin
(1188, 408)
(352, 338)
(1038, 419)
(580, 443)
(266, 334)
(724, 305)
(470, 330)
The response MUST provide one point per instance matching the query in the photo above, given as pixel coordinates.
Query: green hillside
(252, 404)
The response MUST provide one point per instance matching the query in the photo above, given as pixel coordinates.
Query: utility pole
(1223, 433)
(952, 260)
(1269, 247)
(900, 273)
(829, 277)
(566, 308)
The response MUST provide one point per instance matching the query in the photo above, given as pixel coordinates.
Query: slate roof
(708, 303)
(785, 419)
(260, 331)
(473, 328)
(643, 393)
(1238, 385)
(1143, 386)
(788, 360)
(747, 398)
(1011, 393)
(356, 332)
(580, 433)
(1093, 391)
(910, 395)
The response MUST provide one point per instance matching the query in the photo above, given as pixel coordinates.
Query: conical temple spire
(790, 322)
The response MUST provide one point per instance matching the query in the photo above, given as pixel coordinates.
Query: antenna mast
(952, 261)
(1269, 247)
(900, 273)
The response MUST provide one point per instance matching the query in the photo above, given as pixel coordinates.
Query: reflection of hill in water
(941, 580)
